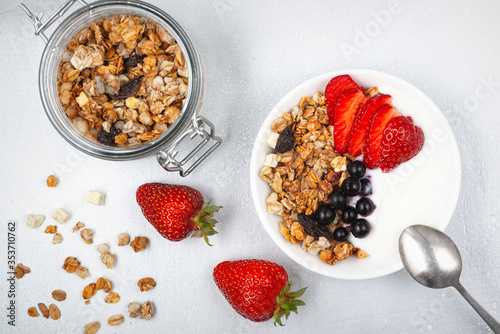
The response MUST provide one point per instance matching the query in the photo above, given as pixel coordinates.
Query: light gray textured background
(254, 52)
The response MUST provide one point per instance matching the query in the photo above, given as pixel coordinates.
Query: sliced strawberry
(360, 126)
(334, 89)
(401, 141)
(377, 125)
(345, 111)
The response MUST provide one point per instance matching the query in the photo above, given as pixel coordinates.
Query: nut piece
(112, 298)
(59, 295)
(82, 272)
(32, 312)
(104, 284)
(108, 259)
(78, 226)
(61, 216)
(86, 235)
(139, 244)
(35, 221)
(89, 291)
(57, 238)
(147, 310)
(70, 264)
(52, 229)
(51, 181)
(115, 320)
(21, 270)
(145, 284)
(123, 239)
(91, 327)
(54, 312)
(103, 248)
(134, 309)
(44, 310)
(96, 197)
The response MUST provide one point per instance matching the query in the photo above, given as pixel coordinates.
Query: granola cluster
(123, 80)
(303, 177)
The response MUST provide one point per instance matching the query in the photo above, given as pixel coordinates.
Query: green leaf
(298, 302)
(297, 294)
(288, 306)
(206, 240)
(203, 224)
(211, 209)
(211, 232)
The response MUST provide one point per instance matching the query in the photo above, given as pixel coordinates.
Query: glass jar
(188, 126)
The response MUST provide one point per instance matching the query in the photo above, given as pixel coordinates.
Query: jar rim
(58, 42)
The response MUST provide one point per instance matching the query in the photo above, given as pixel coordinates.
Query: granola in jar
(123, 80)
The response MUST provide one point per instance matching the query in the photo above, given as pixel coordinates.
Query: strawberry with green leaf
(177, 211)
(258, 290)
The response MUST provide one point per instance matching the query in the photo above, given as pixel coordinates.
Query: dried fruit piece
(139, 244)
(59, 295)
(286, 141)
(35, 221)
(51, 229)
(133, 61)
(51, 181)
(134, 309)
(32, 312)
(103, 248)
(54, 312)
(104, 284)
(108, 259)
(91, 327)
(127, 90)
(96, 197)
(115, 320)
(312, 227)
(21, 270)
(112, 298)
(147, 310)
(57, 238)
(123, 239)
(89, 291)
(146, 284)
(108, 138)
(70, 264)
(82, 272)
(44, 310)
(60, 215)
(87, 235)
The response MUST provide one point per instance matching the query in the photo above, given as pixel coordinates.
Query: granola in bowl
(123, 80)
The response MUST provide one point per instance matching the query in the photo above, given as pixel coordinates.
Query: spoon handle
(490, 321)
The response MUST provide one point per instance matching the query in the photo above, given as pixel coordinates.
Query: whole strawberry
(177, 211)
(257, 289)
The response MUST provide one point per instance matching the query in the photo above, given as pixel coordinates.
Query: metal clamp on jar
(187, 128)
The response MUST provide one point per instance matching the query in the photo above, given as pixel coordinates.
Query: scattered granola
(70, 264)
(82, 272)
(96, 197)
(44, 310)
(54, 312)
(51, 181)
(123, 80)
(139, 243)
(115, 320)
(34, 220)
(87, 235)
(91, 328)
(147, 310)
(108, 259)
(78, 226)
(57, 238)
(103, 248)
(89, 291)
(61, 216)
(52, 229)
(59, 295)
(104, 284)
(134, 309)
(112, 298)
(123, 239)
(32, 312)
(21, 270)
(146, 284)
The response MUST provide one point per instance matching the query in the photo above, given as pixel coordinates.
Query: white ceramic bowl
(442, 156)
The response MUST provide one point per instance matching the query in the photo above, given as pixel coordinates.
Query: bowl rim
(255, 178)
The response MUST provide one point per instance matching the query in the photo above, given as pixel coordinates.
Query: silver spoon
(433, 260)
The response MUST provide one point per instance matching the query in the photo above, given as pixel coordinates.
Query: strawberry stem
(286, 302)
(205, 223)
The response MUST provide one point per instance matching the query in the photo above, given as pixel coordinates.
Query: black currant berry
(349, 214)
(340, 234)
(357, 168)
(360, 228)
(325, 214)
(351, 186)
(365, 206)
(338, 199)
(366, 187)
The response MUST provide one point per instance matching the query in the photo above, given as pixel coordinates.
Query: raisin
(127, 90)
(286, 141)
(133, 61)
(312, 227)
(108, 138)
